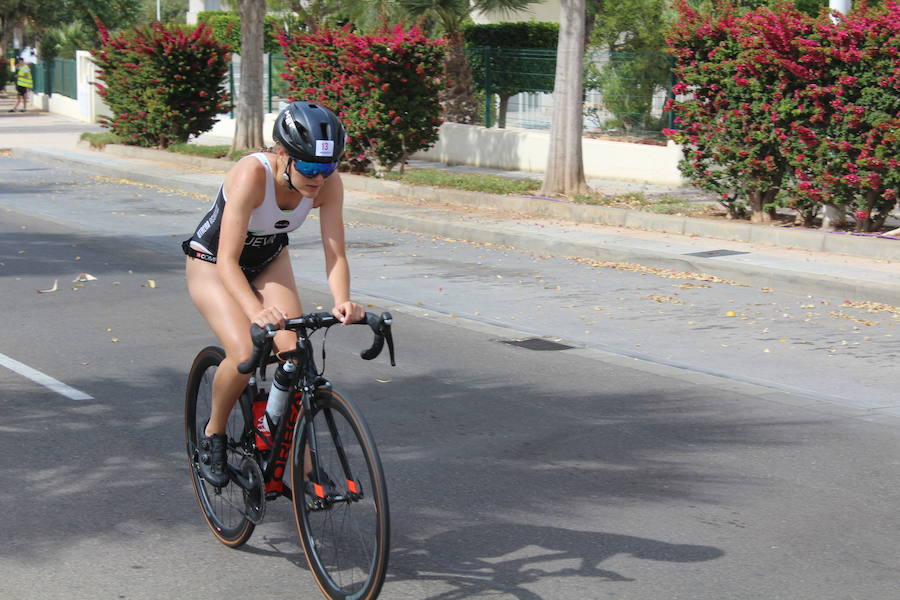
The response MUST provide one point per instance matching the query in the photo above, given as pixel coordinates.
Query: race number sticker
(324, 148)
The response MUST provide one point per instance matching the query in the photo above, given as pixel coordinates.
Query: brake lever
(390, 342)
(385, 329)
(261, 337)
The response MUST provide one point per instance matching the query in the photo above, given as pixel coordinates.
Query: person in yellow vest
(24, 83)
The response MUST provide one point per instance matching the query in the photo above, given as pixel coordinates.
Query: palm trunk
(565, 165)
(502, 110)
(249, 106)
(458, 98)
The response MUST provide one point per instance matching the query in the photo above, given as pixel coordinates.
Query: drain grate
(714, 253)
(537, 344)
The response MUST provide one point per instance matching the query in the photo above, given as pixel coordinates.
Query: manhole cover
(537, 344)
(714, 253)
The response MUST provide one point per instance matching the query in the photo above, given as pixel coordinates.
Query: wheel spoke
(345, 537)
(223, 508)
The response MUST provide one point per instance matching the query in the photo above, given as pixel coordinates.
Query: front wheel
(343, 517)
(223, 508)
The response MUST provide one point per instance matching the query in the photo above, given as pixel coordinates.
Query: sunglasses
(311, 169)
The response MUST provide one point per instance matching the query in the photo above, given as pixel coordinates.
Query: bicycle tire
(221, 507)
(346, 544)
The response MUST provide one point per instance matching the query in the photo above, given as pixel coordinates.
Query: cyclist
(237, 270)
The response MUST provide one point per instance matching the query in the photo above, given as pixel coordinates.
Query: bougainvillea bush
(778, 107)
(844, 145)
(162, 83)
(384, 87)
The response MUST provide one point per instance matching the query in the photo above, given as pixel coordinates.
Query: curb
(802, 239)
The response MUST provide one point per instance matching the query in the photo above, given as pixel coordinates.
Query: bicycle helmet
(309, 132)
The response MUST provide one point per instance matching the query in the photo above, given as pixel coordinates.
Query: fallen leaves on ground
(664, 299)
(843, 315)
(691, 286)
(52, 289)
(873, 306)
(666, 273)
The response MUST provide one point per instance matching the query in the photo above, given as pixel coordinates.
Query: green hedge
(533, 34)
(226, 28)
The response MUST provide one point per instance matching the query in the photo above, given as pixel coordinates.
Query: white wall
(88, 106)
(58, 104)
(524, 150)
(225, 127)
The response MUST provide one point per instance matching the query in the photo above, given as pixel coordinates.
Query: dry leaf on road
(53, 289)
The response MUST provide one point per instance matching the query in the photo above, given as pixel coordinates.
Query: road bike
(320, 455)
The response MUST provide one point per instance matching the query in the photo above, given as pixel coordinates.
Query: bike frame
(301, 393)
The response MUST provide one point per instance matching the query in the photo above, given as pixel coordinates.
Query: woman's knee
(239, 351)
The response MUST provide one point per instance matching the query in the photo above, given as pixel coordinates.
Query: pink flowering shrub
(163, 84)
(777, 107)
(846, 149)
(384, 87)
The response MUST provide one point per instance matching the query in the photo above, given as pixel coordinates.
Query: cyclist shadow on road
(476, 560)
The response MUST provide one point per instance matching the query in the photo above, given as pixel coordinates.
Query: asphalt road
(639, 464)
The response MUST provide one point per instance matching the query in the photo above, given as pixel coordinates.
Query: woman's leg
(277, 287)
(231, 327)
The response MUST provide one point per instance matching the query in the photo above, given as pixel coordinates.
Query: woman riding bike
(237, 270)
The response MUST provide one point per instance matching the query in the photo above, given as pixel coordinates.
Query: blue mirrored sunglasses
(311, 169)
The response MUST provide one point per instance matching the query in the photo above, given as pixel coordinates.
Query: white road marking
(45, 380)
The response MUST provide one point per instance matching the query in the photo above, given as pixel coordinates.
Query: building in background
(548, 10)
(195, 7)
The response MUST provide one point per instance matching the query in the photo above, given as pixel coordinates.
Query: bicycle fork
(321, 487)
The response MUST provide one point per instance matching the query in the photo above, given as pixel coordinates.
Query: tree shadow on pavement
(485, 449)
(26, 253)
(476, 561)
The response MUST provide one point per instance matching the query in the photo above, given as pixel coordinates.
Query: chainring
(255, 494)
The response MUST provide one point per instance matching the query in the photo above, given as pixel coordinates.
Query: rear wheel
(342, 518)
(223, 508)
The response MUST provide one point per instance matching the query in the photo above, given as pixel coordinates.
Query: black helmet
(310, 132)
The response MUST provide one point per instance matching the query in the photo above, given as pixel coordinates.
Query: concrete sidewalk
(809, 262)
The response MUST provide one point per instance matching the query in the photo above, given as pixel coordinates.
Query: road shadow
(478, 561)
(25, 253)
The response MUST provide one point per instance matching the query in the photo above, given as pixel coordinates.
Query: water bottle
(278, 393)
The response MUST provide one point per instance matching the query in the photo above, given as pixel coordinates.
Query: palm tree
(249, 102)
(458, 99)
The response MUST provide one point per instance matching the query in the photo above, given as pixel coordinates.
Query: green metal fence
(57, 77)
(513, 74)
(625, 92)
(276, 87)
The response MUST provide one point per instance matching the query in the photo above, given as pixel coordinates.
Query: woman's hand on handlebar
(270, 315)
(348, 312)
